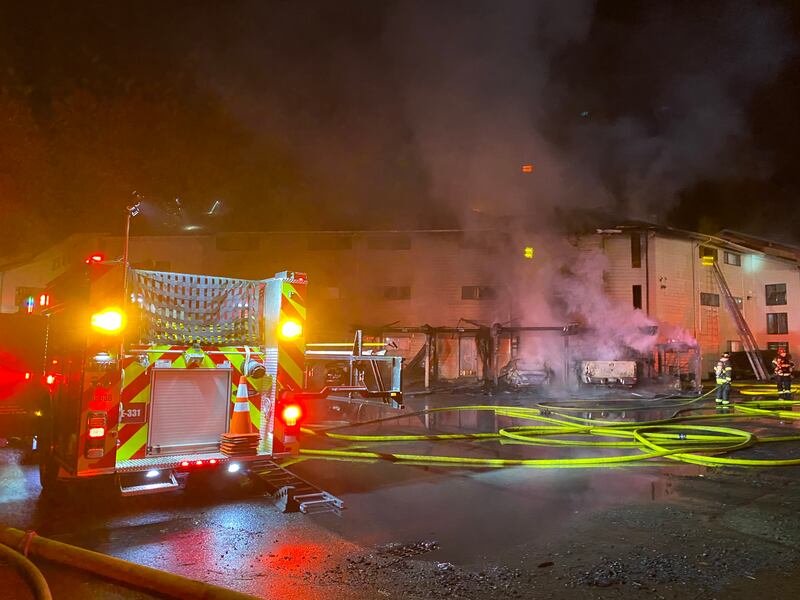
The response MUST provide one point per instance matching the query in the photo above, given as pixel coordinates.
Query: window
(330, 242)
(708, 251)
(776, 294)
(777, 323)
(637, 296)
(477, 292)
(778, 345)
(236, 241)
(478, 240)
(636, 252)
(389, 242)
(397, 292)
(709, 299)
(731, 258)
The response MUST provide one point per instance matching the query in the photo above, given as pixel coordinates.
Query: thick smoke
(475, 77)
(609, 114)
(613, 116)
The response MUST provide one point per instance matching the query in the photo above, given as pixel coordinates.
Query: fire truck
(154, 375)
(22, 389)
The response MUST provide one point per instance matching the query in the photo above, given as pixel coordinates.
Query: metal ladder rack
(745, 334)
(292, 493)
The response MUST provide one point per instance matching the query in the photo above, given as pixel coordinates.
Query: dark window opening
(708, 251)
(777, 323)
(636, 251)
(389, 242)
(637, 296)
(330, 242)
(778, 345)
(776, 294)
(731, 258)
(397, 292)
(709, 299)
(477, 292)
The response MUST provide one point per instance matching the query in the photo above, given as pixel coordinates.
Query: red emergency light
(291, 413)
(191, 464)
(95, 258)
(28, 375)
(97, 432)
(50, 379)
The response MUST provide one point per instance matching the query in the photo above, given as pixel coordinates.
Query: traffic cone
(240, 439)
(240, 420)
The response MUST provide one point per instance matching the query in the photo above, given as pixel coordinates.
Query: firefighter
(724, 374)
(782, 367)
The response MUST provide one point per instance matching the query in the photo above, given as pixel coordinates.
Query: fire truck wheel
(48, 475)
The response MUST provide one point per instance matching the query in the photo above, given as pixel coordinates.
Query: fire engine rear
(157, 374)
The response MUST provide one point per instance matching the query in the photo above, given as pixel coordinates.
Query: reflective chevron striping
(135, 443)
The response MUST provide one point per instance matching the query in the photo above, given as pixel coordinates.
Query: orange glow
(95, 258)
(27, 375)
(50, 379)
(110, 320)
(527, 168)
(290, 330)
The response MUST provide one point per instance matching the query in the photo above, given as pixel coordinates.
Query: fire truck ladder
(292, 493)
(745, 334)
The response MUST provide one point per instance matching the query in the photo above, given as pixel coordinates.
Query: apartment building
(454, 278)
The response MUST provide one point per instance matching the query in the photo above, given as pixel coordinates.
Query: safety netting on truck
(182, 309)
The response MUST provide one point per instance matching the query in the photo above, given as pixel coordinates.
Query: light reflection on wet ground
(226, 533)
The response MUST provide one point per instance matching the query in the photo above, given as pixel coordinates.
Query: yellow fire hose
(145, 578)
(670, 438)
(34, 577)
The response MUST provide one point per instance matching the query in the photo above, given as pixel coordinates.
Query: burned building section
(627, 305)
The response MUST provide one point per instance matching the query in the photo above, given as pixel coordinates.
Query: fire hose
(677, 438)
(162, 583)
(33, 576)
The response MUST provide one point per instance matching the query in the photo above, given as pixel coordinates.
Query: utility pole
(132, 211)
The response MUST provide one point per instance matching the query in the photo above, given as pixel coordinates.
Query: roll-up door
(188, 411)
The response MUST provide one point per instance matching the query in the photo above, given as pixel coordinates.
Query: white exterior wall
(621, 275)
(680, 277)
(346, 286)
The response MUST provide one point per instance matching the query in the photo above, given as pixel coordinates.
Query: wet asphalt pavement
(432, 531)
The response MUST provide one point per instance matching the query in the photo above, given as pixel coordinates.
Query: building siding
(346, 285)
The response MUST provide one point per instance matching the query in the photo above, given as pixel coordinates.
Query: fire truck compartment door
(188, 411)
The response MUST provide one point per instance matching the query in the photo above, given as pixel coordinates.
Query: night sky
(396, 114)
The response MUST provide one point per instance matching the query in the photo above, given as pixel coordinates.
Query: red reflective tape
(135, 387)
(292, 352)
